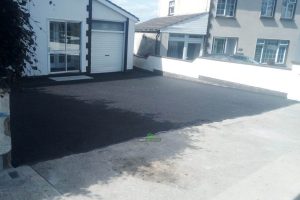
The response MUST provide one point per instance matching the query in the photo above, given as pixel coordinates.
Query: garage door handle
(107, 55)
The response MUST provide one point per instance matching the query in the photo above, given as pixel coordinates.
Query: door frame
(48, 45)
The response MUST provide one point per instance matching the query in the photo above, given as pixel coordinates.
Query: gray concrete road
(249, 158)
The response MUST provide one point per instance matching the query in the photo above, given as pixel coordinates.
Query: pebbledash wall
(278, 80)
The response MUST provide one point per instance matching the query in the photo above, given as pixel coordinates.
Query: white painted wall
(294, 91)
(297, 52)
(131, 41)
(279, 80)
(70, 10)
(183, 7)
(102, 12)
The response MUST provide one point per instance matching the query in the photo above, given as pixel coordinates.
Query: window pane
(175, 49)
(221, 7)
(269, 53)
(284, 42)
(176, 35)
(288, 8)
(267, 8)
(193, 51)
(230, 8)
(281, 55)
(258, 52)
(58, 62)
(171, 7)
(73, 36)
(57, 36)
(219, 46)
(195, 36)
(226, 7)
(107, 26)
(73, 62)
(231, 46)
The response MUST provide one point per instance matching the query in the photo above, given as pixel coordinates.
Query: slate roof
(156, 24)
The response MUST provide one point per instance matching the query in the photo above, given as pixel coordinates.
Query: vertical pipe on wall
(126, 44)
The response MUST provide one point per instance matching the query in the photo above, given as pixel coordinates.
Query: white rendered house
(94, 36)
(179, 31)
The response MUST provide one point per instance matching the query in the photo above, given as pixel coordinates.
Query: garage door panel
(107, 52)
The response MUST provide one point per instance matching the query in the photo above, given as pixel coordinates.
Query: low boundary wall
(278, 80)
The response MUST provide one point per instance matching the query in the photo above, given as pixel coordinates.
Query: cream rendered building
(183, 7)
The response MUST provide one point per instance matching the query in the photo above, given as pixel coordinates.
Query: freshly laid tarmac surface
(54, 119)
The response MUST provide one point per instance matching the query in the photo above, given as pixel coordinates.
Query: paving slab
(24, 183)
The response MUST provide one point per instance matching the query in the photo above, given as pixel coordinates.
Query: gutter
(210, 15)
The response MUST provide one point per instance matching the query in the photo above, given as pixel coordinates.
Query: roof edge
(191, 17)
(163, 27)
(119, 9)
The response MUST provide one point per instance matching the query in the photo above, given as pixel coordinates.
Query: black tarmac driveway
(51, 119)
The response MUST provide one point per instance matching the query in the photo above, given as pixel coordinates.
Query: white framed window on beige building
(288, 9)
(271, 51)
(268, 8)
(185, 46)
(224, 45)
(171, 7)
(226, 8)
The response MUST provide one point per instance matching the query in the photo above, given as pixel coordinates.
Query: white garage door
(107, 47)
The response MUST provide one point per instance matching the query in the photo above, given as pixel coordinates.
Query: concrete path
(248, 158)
(24, 183)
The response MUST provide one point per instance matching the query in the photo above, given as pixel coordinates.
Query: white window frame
(171, 5)
(187, 40)
(225, 9)
(273, 9)
(285, 8)
(49, 20)
(225, 45)
(281, 43)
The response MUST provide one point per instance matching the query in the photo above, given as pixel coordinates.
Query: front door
(64, 46)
